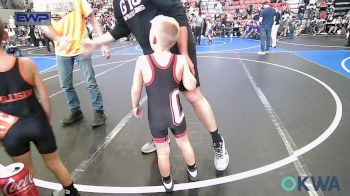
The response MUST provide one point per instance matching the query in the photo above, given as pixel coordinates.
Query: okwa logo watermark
(302, 183)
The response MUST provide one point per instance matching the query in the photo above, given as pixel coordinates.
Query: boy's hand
(138, 112)
(190, 64)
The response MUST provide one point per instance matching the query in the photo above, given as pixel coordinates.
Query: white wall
(6, 13)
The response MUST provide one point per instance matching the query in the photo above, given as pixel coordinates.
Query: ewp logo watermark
(330, 183)
(32, 18)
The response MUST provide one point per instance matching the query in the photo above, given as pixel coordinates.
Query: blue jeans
(265, 37)
(65, 71)
(300, 16)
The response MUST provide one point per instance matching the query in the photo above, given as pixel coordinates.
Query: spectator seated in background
(11, 48)
(249, 29)
(256, 31)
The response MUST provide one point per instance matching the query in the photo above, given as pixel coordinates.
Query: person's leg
(186, 149)
(348, 44)
(55, 165)
(205, 114)
(26, 159)
(65, 73)
(291, 29)
(202, 108)
(268, 39)
(195, 34)
(199, 35)
(163, 154)
(53, 43)
(248, 36)
(199, 103)
(244, 34)
(330, 29)
(274, 35)
(180, 133)
(85, 63)
(263, 37)
(160, 138)
(47, 42)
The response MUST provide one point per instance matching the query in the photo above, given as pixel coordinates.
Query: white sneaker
(267, 52)
(192, 175)
(261, 53)
(150, 147)
(168, 185)
(222, 157)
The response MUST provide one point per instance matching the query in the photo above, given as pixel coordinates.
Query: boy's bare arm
(136, 88)
(188, 79)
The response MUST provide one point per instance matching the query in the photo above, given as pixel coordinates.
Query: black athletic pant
(348, 40)
(47, 43)
(198, 34)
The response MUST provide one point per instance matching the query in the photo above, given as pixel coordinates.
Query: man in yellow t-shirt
(68, 30)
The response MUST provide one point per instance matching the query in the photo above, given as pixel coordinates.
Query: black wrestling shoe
(75, 192)
(192, 174)
(168, 185)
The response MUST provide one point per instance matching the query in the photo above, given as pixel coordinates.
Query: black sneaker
(168, 185)
(99, 119)
(75, 192)
(192, 174)
(72, 118)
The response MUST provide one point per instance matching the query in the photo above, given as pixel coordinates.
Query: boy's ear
(154, 41)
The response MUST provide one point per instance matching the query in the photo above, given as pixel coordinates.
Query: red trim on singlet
(182, 134)
(153, 74)
(159, 140)
(174, 70)
(159, 66)
(22, 73)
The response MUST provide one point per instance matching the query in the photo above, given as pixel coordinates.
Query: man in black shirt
(134, 16)
(348, 30)
(301, 11)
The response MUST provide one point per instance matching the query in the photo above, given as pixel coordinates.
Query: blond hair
(166, 30)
